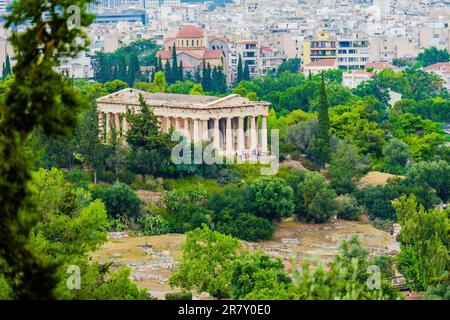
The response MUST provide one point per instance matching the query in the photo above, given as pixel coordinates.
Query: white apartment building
(387, 48)
(352, 52)
(77, 68)
(437, 35)
(260, 59)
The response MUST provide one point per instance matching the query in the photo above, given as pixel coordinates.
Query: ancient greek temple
(235, 125)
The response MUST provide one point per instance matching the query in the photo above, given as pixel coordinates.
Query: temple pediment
(130, 97)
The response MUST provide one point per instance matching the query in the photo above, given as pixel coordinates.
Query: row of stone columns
(115, 121)
(226, 137)
(231, 140)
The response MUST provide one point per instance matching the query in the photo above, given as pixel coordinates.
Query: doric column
(124, 124)
(117, 123)
(166, 124)
(229, 137)
(176, 124)
(196, 131)
(264, 149)
(216, 135)
(240, 135)
(186, 130)
(205, 136)
(101, 126)
(108, 125)
(253, 136)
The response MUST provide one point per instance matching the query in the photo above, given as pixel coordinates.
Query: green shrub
(378, 201)
(246, 227)
(126, 177)
(78, 177)
(179, 296)
(382, 224)
(118, 225)
(120, 200)
(347, 208)
(439, 291)
(316, 199)
(185, 209)
(271, 198)
(153, 225)
(150, 184)
(107, 176)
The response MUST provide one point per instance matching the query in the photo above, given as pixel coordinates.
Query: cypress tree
(181, 72)
(134, 69)
(221, 80)
(7, 68)
(160, 65)
(209, 78)
(122, 69)
(205, 80)
(323, 135)
(247, 72)
(168, 72)
(240, 73)
(188, 76)
(175, 72)
(215, 81)
(197, 76)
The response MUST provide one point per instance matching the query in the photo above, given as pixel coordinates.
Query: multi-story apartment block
(260, 59)
(322, 47)
(249, 52)
(435, 36)
(351, 52)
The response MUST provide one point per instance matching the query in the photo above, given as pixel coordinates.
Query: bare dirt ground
(376, 178)
(150, 197)
(152, 259)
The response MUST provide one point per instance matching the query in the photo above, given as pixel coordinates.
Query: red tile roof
(164, 54)
(213, 54)
(438, 66)
(189, 31)
(380, 65)
(168, 39)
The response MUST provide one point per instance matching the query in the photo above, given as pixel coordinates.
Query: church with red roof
(193, 48)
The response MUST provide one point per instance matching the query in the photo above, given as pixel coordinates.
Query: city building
(260, 59)
(354, 78)
(351, 52)
(319, 66)
(442, 69)
(192, 50)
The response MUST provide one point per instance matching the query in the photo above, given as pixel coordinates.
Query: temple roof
(130, 97)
